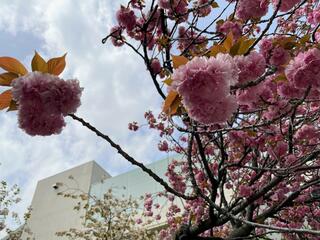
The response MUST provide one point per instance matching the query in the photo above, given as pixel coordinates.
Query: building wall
(52, 213)
(137, 183)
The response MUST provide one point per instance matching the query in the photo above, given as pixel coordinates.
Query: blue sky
(117, 90)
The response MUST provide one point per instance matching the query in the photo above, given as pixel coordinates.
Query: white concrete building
(52, 213)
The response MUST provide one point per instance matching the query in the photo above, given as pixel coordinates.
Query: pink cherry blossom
(276, 55)
(230, 26)
(251, 66)
(244, 191)
(314, 16)
(204, 8)
(116, 37)
(126, 18)
(289, 91)
(155, 66)
(133, 126)
(176, 8)
(249, 9)
(266, 46)
(204, 85)
(304, 69)
(190, 40)
(285, 5)
(34, 123)
(307, 132)
(163, 146)
(279, 56)
(43, 101)
(250, 96)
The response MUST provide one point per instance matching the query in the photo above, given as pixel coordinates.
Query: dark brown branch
(242, 86)
(313, 36)
(205, 162)
(131, 159)
(145, 52)
(266, 28)
(286, 202)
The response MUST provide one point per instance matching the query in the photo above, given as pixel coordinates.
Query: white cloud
(117, 90)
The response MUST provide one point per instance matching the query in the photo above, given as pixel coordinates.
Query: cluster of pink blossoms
(248, 9)
(126, 18)
(230, 26)
(314, 16)
(304, 70)
(308, 133)
(254, 9)
(204, 8)
(204, 85)
(285, 5)
(251, 67)
(274, 53)
(175, 8)
(43, 101)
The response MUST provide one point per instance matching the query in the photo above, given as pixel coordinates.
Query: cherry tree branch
(131, 159)
(266, 28)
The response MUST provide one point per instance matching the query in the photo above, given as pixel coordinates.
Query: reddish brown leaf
(171, 103)
(228, 42)
(217, 49)
(39, 64)
(57, 65)
(168, 81)
(12, 65)
(13, 106)
(214, 5)
(179, 61)
(5, 99)
(6, 78)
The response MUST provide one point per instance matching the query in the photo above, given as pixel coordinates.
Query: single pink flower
(116, 36)
(155, 66)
